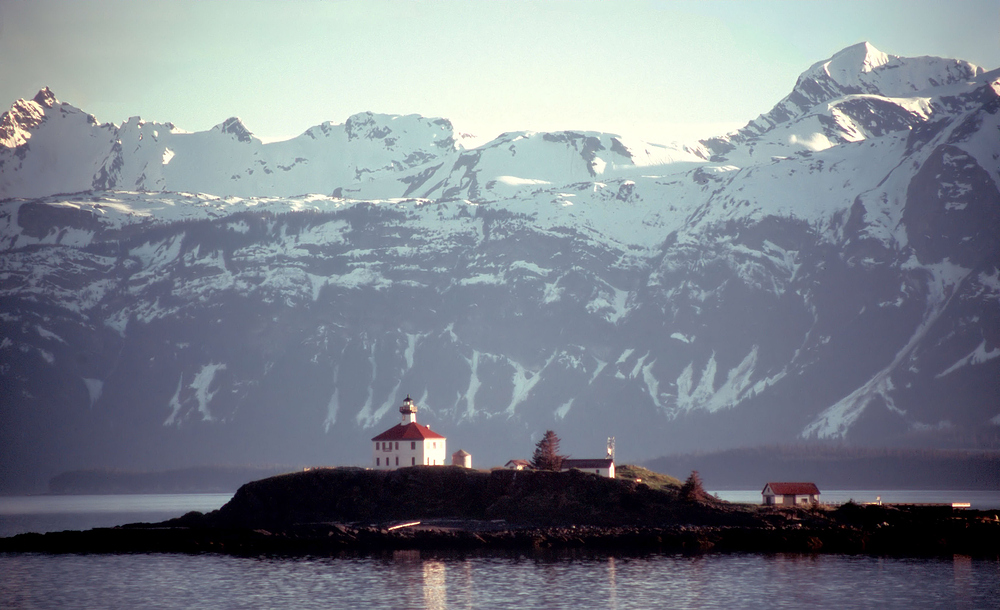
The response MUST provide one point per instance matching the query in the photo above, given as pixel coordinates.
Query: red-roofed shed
(790, 494)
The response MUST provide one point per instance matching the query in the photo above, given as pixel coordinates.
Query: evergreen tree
(546, 456)
(692, 490)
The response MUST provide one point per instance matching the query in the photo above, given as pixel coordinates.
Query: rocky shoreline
(337, 511)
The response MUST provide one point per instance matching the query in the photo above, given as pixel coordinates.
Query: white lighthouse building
(408, 443)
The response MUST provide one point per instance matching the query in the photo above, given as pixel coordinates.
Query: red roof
(407, 432)
(792, 489)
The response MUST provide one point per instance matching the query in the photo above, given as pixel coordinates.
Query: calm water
(410, 580)
(20, 514)
(413, 580)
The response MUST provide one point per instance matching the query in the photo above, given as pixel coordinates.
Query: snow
(652, 384)
(159, 253)
(360, 277)
(837, 419)
(531, 267)
(638, 366)
(611, 303)
(552, 293)
(621, 360)
(47, 334)
(737, 386)
(411, 346)
(481, 278)
(990, 282)
(317, 282)
(524, 380)
(977, 356)
(365, 417)
(474, 385)
(814, 141)
(202, 384)
(621, 195)
(200, 389)
(332, 407)
(94, 389)
(175, 405)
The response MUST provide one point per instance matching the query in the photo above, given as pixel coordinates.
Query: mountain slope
(751, 289)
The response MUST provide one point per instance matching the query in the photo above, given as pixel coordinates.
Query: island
(355, 510)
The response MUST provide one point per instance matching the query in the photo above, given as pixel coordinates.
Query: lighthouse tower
(409, 411)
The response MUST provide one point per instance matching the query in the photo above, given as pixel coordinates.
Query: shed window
(397, 460)
(378, 461)
(413, 444)
(397, 445)
(413, 461)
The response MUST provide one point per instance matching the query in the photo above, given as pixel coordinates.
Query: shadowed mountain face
(832, 275)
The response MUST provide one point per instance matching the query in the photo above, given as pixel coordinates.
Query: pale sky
(657, 70)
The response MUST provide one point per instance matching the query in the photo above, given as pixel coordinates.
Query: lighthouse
(408, 443)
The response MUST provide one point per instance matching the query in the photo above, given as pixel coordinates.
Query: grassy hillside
(647, 477)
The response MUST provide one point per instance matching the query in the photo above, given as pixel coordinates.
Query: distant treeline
(837, 467)
(202, 479)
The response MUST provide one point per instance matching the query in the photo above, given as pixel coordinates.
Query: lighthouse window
(413, 444)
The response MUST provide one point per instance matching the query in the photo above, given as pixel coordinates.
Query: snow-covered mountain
(829, 272)
(370, 156)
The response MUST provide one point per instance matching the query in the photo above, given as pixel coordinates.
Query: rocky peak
(16, 124)
(235, 127)
(45, 97)
(860, 69)
(366, 125)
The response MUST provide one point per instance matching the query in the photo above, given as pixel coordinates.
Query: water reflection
(962, 566)
(435, 591)
(410, 579)
(612, 584)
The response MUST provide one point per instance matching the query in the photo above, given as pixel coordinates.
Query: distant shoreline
(836, 467)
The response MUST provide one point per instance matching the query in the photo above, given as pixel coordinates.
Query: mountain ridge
(832, 278)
